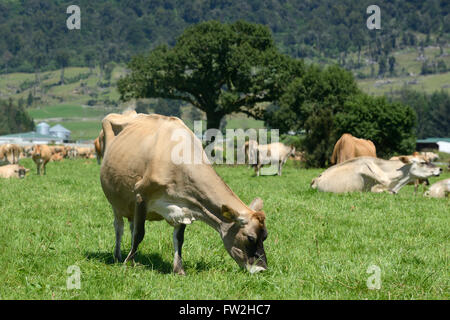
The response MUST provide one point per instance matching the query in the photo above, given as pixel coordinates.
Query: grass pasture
(319, 245)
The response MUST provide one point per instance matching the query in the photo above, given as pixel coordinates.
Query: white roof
(58, 128)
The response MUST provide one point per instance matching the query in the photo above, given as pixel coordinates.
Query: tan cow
(440, 189)
(41, 156)
(84, 152)
(57, 157)
(2, 152)
(11, 153)
(251, 152)
(13, 171)
(59, 149)
(372, 174)
(349, 147)
(98, 145)
(28, 151)
(143, 179)
(274, 153)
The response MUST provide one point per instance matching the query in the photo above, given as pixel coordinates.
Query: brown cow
(13, 171)
(41, 156)
(11, 153)
(349, 147)
(98, 145)
(83, 152)
(143, 179)
(57, 157)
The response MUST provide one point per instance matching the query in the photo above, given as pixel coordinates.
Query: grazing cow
(273, 153)
(13, 171)
(41, 156)
(72, 152)
(142, 182)
(372, 174)
(251, 152)
(11, 153)
(440, 189)
(349, 147)
(98, 145)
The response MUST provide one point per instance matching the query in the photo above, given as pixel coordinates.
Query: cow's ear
(256, 205)
(404, 159)
(232, 215)
(27, 170)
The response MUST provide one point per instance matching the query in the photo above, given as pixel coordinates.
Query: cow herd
(42, 154)
(142, 182)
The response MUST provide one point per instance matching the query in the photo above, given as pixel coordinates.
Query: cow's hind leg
(138, 226)
(178, 239)
(118, 227)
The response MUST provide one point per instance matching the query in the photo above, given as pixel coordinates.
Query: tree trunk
(213, 119)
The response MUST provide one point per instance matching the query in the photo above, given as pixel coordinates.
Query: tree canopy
(13, 118)
(218, 68)
(325, 103)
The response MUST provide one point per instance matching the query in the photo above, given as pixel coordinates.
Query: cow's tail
(108, 133)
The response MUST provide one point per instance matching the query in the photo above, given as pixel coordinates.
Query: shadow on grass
(152, 261)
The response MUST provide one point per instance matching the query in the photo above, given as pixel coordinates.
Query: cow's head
(21, 172)
(37, 151)
(244, 239)
(423, 169)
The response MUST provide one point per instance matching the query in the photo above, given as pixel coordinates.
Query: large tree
(325, 103)
(218, 68)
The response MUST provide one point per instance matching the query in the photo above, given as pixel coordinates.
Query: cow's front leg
(178, 239)
(138, 226)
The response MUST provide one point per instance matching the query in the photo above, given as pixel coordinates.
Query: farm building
(43, 128)
(441, 144)
(60, 132)
(43, 135)
(30, 138)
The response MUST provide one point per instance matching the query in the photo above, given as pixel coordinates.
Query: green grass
(81, 130)
(319, 246)
(428, 84)
(66, 111)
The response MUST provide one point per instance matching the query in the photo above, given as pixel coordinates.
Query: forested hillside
(35, 36)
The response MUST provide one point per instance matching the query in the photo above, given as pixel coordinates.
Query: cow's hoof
(179, 272)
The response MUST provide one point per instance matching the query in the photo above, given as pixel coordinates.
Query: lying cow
(418, 158)
(273, 153)
(349, 147)
(13, 171)
(440, 189)
(41, 156)
(372, 174)
(142, 182)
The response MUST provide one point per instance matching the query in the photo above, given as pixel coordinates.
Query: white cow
(372, 174)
